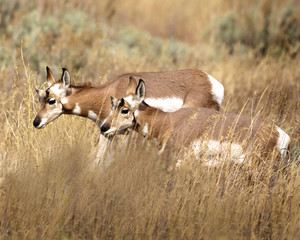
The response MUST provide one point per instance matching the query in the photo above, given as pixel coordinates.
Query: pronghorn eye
(52, 101)
(124, 111)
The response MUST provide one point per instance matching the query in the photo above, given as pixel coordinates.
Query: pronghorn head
(123, 111)
(52, 99)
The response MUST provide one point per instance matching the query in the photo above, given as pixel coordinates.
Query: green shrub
(261, 30)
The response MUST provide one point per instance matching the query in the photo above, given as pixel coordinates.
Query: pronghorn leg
(103, 147)
(161, 150)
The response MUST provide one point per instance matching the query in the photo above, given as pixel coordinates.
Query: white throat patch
(145, 129)
(92, 115)
(77, 109)
(64, 100)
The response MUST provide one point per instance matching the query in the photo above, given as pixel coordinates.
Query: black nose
(37, 121)
(105, 127)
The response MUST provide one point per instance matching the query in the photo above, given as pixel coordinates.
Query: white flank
(92, 115)
(217, 90)
(214, 148)
(165, 104)
(77, 109)
(283, 142)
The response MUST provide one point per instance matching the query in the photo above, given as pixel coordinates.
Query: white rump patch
(214, 148)
(165, 104)
(77, 109)
(217, 90)
(92, 115)
(283, 142)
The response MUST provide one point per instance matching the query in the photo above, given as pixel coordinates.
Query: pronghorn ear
(141, 90)
(50, 77)
(41, 93)
(131, 86)
(114, 102)
(122, 102)
(66, 79)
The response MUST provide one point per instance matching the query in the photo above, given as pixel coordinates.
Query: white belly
(165, 104)
(227, 151)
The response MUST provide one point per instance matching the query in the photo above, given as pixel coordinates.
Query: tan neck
(90, 102)
(153, 122)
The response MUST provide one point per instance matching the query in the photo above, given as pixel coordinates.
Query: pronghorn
(168, 91)
(195, 130)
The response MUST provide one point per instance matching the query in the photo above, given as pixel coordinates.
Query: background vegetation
(49, 189)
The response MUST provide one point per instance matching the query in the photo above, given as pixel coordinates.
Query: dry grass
(50, 191)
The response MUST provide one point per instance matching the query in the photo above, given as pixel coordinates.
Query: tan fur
(192, 86)
(50, 77)
(181, 128)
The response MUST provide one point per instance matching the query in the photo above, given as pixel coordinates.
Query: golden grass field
(49, 189)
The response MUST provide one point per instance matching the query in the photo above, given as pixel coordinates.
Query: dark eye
(124, 111)
(52, 101)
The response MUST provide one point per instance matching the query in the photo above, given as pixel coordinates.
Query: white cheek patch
(111, 130)
(52, 115)
(214, 148)
(43, 123)
(136, 113)
(283, 142)
(125, 126)
(92, 115)
(165, 104)
(217, 90)
(77, 109)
